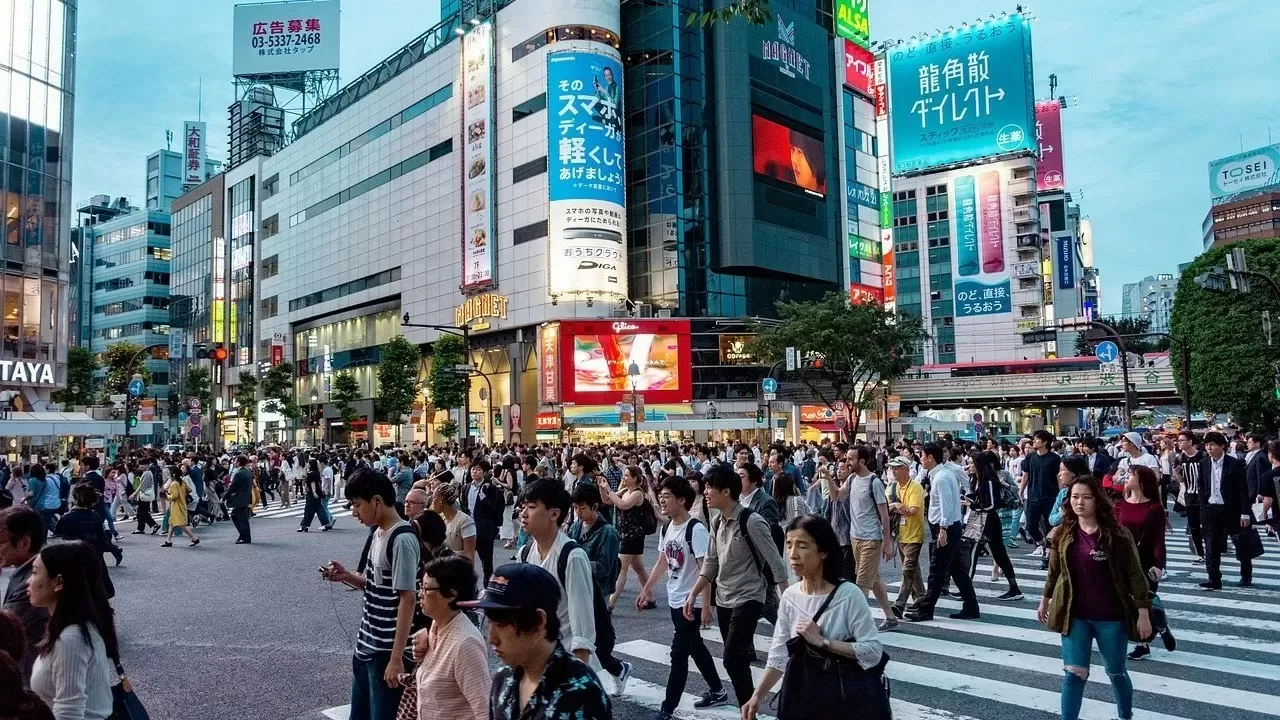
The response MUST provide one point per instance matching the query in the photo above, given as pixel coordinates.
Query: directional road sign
(769, 385)
(136, 388)
(1107, 351)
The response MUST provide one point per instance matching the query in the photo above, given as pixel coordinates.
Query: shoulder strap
(830, 597)
(364, 554)
(524, 551)
(562, 566)
(665, 527)
(688, 531)
(751, 545)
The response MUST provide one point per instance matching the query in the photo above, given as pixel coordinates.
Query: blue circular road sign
(182, 418)
(136, 388)
(1107, 351)
(769, 385)
(194, 431)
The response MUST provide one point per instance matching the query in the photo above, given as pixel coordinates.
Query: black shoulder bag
(817, 680)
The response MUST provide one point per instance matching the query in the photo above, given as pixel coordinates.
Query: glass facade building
(37, 55)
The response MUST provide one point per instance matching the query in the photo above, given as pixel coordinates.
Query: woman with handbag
(1141, 512)
(825, 647)
(179, 490)
(1095, 590)
(634, 515)
(986, 494)
(144, 494)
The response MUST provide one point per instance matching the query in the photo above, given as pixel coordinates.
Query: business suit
(1255, 470)
(490, 504)
(34, 620)
(761, 502)
(1221, 519)
(238, 498)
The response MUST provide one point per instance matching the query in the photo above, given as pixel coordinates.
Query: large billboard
(788, 155)
(282, 37)
(853, 21)
(981, 275)
(193, 151)
(601, 360)
(585, 175)
(1236, 176)
(479, 247)
(961, 96)
(859, 69)
(1049, 168)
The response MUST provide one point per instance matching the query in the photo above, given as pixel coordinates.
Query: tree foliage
(246, 396)
(398, 379)
(448, 428)
(755, 12)
(81, 364)
(277, 391)
(345, 393)
(1126, 327)
(856, 346)
(122, 361)
(448, 389)
(1232, 366)
(196, 385)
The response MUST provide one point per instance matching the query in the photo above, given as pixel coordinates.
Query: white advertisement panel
(285, 37)
(193, 134)
(585, 175)
(478, 243)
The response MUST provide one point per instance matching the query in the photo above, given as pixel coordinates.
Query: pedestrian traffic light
(219, 353)
(133, 421)
(759, 416)
(497, 418)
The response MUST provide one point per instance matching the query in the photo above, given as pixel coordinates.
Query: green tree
(246, 396)
(345, 392)
(448, 428)
(849, 350)
(196, 385)
(1127, 327)
(1232, 366)
(755, 12)
(81, 364)
(277, 391)
(448, 389)
(398, 380)
(122, 361)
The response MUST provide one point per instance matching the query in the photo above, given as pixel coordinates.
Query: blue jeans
(326, 517)
(371, 699)
(1077, 649)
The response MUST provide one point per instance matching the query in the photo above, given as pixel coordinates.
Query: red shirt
(1146, 522)
(1094, 595)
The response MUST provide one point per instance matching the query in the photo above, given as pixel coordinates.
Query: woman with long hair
(313, 490)
(630, 502)
(845, 629)
(1141, 512)
(73, 672)
(985, 498)
(788, 497)
(177, 489)
(1095, 591)
(699, 509)
(16, 701)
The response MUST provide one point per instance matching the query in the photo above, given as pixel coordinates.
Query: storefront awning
(50, 424)
(608, 414)
(824, 427)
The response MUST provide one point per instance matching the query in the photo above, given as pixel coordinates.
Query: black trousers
(240, 517)
(738, 629)
(993, 537)
(484, 550)
(1219, 522)
(687, 643)
(311, 508)
(947, 561)
(144, 516)
(1037, 512)
(1193, 523)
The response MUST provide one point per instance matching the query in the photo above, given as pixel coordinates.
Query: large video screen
(788, 155)
(608, 358)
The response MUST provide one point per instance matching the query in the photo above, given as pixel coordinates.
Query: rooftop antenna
(168, 139)
(1053, 83)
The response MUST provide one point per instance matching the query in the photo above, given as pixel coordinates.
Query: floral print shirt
(569, 690)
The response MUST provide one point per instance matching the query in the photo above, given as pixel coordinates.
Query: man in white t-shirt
(684, 545)
(1132, 453)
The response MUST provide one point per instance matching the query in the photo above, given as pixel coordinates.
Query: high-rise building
(165, 178)
(1244, 193)
(1150, 298)
(37, 71)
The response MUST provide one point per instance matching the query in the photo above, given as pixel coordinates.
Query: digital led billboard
(601, 360)
(962, 95)
(788, 155)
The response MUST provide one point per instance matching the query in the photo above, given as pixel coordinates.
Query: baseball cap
(1134, 438)
(900, 462)
(519, 585)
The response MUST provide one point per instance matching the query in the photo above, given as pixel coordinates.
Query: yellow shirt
(911, 530)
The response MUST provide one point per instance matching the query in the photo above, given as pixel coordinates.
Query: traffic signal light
(132, 421)
(219, 353)
(497, 418)
(759, 416)
(201, 351)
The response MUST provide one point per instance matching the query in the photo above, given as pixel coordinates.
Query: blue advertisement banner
(1064, 258)
(585, 161)
(962, 95)
(863, 195)
(967, 259)
(975, 298)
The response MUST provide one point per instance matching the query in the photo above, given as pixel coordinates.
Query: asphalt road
(251, 631)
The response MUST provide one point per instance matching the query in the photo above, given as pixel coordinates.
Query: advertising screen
(981, 275)
(1049, 170)
(853, 21)
(602, 360)
(284, 37)
(586, 175)
(962, 95)
(1236, 176)
(788, 156)
(478, 243)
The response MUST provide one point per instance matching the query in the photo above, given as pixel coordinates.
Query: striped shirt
(383, 583)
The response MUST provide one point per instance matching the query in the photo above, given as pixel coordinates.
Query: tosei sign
(1236, 176)
(291, 37)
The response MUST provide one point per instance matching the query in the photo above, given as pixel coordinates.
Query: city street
(251, 631)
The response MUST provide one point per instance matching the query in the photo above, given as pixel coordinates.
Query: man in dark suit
(1257, 465)
(1226, 507)
(238, 499)
(485, 503)
(21, 537)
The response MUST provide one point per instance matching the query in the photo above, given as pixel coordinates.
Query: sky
(1155, 90)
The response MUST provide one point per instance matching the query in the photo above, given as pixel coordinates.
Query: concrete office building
(1244, 197)
(164, 178)
(1150, 298)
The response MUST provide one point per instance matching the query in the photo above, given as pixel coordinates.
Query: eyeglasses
(425, 589)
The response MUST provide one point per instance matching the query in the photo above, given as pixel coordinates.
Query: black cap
(519, 585)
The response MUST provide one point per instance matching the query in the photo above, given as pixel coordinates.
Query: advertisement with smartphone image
(585, 175)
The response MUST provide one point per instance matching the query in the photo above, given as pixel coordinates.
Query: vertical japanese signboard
(981, 274)
(1049, 168)
(859, 69)
(478, 244)
(1064, 258)
(853, 21)
(585, 175)
(549, 364)
(193, 134)
(962, 95)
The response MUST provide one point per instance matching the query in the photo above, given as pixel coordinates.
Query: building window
(529, 232)
(269, 307)
(271, 186)
(529, 107)
(270, 226)
(531, 169)
(270, 267)
(345, 289)
(401, 168)
(564, 32)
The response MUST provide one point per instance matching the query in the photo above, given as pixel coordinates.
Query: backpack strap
(688, 531)
(751, 545)
(364, 554)
(830, 597)
(562, 566)
(524, 552)
(391, 543)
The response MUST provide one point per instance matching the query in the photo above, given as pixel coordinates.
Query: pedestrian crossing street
(1006, 665)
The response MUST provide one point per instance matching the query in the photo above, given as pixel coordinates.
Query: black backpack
(605, 636)
(771, 599)
(688, 530)
(64, 491)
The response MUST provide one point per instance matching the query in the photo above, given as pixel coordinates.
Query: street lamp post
(463, 332)
(633, 372)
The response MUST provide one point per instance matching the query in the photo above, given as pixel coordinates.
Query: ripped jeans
(1077, 649)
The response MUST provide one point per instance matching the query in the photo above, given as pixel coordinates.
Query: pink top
(453, 678)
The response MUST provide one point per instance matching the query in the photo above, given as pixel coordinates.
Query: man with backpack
(585, 626)
(44, 496)
(869, 528)
(684, 542)
(743, 562)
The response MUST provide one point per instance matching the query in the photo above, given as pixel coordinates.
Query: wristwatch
(826, 644)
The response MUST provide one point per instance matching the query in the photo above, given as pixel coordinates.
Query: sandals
(166, 544)
(194, 542)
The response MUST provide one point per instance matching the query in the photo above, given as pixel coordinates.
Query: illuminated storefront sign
(782, 50)
(549, 364)
(547, 421)
(602, 360)
(853, 21)
(489, 305)
(20, 372)
(733, 350)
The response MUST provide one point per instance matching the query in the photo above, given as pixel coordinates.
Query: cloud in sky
(1157, 90)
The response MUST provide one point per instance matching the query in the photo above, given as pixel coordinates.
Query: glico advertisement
(601, 360)
(962, 95)
(586, 177)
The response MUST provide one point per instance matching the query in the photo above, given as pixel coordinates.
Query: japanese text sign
(1049, 170)
(193, 151)
(282, 37)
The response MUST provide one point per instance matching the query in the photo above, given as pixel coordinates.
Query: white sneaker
(1038, 552)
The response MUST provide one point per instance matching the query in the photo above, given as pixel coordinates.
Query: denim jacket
(602, 543)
